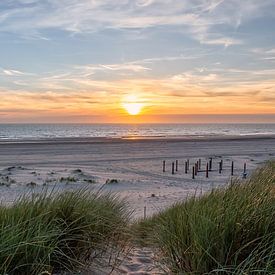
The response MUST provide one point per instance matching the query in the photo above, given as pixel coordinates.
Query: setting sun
(132, 105)
(133, 108)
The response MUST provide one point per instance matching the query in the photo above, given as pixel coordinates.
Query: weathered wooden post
(173, 168)
(220, 167)
(244, 171)
(232, 168)
(163, 166)
(188, 164)
(144, 212)
(196, 169)
(221, 164)
(210, 164)
(207, 167)
(193, 172)
(199, 164)
(176, 165)
(186, 167)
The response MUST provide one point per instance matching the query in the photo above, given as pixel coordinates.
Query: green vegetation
(62, 232)
(90, 180)
(229, 231)
(31, 184)
(68, 179)
(111, 181)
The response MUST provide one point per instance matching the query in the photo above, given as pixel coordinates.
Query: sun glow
(132, 105)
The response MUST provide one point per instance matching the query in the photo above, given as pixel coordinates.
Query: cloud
(225, 41)
(191, 92)
(12, 72)
(199, 18)
(125, 67)
(9, 72)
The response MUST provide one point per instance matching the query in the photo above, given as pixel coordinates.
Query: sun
(133, 108)
(132, 105)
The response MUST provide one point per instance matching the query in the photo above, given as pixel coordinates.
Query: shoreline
(91, 140)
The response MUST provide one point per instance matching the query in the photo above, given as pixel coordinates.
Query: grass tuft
(63, 232)
(228, 231)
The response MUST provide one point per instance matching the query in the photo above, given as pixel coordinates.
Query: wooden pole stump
(173, 168)
(163, 166)
(176, 165)
(232, 168)
(144, 212)
(244, 171)
(186, 167)
(207, 167)
(193, 172)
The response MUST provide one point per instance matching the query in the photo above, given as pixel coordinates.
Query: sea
(54, 131)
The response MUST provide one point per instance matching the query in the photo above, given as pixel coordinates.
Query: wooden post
(163, 166)
(144, 212)
(199, 164)
(188, 164)
(176, 165)
(210, 164)
(221, 164)
(193, 172)
(196, 168)
(186, 167)
(173, 168)
(220, 167)
(232, 168)
(207, 167)
(244, 171)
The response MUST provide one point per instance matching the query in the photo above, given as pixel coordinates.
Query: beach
(132, 168)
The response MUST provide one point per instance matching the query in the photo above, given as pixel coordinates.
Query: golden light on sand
(132, 105)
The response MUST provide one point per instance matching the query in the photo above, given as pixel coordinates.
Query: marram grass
(228, 231)
(64, 232)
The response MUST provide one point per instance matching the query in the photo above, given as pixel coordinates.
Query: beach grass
(61, 232)
(227, 231)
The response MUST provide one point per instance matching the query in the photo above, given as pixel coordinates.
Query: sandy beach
(135, 164)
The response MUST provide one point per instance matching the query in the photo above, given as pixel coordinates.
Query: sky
(175, 60)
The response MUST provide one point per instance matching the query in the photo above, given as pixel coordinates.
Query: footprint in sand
(139, 262)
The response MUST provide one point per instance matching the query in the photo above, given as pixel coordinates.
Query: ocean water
(51, 131)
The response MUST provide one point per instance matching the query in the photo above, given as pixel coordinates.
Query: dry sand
(67, 164)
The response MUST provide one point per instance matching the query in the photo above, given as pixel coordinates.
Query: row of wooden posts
(197, 167)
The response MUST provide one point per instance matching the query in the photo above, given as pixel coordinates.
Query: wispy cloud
(10, 72)
(198, 17)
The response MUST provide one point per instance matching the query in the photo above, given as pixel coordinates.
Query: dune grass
(228, 231)
(63, 232)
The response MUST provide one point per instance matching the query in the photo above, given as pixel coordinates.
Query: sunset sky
(175, 60)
